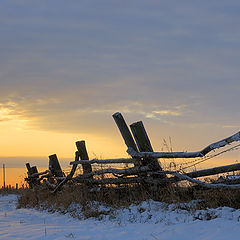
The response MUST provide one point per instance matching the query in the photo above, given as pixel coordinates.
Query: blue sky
(67, 66)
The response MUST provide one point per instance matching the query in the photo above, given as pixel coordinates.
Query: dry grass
(7, 190)
(125, 195)
(118, 197)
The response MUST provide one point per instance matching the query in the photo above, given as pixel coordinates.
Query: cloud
(167, 113)
(70, 67)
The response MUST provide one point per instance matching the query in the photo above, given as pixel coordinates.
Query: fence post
(144, 144)
(125, 132)
(82, 150)
(54, 166)
(31, 170)
(28, 168)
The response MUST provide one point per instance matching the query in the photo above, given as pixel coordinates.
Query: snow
(147, 221)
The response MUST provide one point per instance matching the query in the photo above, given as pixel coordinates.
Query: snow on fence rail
(145, 169)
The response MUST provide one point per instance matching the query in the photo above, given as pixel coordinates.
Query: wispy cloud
(167, 113)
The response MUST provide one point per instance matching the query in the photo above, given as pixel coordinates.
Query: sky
(67, 66)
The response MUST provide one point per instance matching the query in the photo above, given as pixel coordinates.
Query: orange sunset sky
(66, 67)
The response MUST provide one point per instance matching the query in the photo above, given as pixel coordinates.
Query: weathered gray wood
(144, 144)
(34, 170)
(69, 176)
(54, 166)
(128, 180)
(106, 161)
(29, 181)
(135, 170)
(127, 171)
(29, 169)
(163, 154)
(203, 184)
(32, 175)
(202, 153)
(82, 151)
(124, 130)
(39, 174)
(49, 184)
(203, 173)
(214, 171)
(141, 137)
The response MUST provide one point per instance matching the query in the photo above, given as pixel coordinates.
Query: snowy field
(149, 221)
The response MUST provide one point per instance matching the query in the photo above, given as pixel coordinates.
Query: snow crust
(147, 221)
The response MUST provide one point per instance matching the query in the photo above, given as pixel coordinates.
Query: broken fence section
(145, 167)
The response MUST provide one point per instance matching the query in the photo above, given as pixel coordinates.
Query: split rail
(145, 165)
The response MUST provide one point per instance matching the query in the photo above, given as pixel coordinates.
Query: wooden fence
(145, 166)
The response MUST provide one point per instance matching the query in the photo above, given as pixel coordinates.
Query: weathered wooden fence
(145, 166)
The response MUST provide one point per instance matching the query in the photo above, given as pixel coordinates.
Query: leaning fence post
(31, 170)
(29, 180)
(34, 170)
(144, 144)
(54, 166)
(28, 168)
(125, 132)
(82, 150)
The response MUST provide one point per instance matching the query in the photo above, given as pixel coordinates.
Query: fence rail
(145, 169)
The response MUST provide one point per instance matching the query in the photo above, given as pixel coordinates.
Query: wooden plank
(202, 153)
(203, 184)
(214, 171)
(34, 170)
(54, 166)
(124, 130)
(144, 144)
(82, 151)
(204, 172)
(29, 169)
(32, 179)
(41, 173)
(69, 176)
(163, 154)
(106, 161)
(128, 180)
(122, 172)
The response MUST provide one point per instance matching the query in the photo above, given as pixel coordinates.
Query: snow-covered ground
(148, 221)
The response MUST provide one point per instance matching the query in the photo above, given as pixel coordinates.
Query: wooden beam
(28, 168)
(163, 154)
(128, 180)
(106, 161)
(82, 151)
(202, 153)
(204, 184)
(34, 170)
(41, 173)
(127, 171)
(54, 166)
(144, 144)
(214, 171)
(204, 172)
(69, 176)
(124, 130)
(32, 175)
